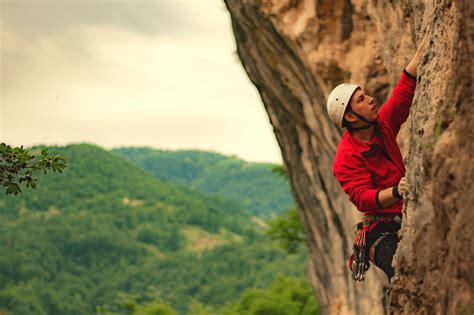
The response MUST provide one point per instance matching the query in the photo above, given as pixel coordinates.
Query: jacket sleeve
(396, 110)
(356, 182)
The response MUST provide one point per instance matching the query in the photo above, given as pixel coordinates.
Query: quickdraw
(360, 262)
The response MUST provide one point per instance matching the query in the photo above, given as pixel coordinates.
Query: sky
(162, 74)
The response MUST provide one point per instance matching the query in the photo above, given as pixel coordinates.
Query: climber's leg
(384, 252)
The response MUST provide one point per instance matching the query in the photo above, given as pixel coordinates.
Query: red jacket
(363, 168)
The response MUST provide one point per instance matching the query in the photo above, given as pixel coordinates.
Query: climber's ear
(350, 117)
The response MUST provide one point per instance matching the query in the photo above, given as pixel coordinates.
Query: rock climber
(369, 167)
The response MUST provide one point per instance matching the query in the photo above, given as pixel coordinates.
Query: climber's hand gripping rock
(399, 189)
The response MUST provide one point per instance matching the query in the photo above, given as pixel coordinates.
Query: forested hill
(104, 228)
(253, 185)
(96, 178)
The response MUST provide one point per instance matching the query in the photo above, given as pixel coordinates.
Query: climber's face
(363, 105)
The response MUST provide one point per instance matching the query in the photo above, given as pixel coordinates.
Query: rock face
(295, 52)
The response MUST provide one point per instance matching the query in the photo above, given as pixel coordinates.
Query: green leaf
(13, 189)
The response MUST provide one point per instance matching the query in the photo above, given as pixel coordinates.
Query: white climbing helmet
(338, 101)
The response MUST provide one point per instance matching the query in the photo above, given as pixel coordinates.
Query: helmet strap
(369, 123)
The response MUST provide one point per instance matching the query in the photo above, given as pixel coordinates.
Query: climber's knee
(383, 254)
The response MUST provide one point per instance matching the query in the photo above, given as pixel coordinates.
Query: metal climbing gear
(361, 262)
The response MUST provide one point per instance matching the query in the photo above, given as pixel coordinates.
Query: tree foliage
(18, 166)
(127, 304)
(287, 229)
(286, 296)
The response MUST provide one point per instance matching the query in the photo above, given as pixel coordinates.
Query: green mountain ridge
(97, 177)
(253, 185)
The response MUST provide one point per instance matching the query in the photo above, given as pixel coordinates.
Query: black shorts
(386, 247)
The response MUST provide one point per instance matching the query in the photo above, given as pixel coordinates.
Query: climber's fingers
(402, 186)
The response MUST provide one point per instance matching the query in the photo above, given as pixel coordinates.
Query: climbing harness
(359, 261)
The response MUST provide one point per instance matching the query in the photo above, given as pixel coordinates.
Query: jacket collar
(361, 147)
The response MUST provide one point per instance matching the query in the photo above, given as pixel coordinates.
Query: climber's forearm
(412, 66)
(386, 198)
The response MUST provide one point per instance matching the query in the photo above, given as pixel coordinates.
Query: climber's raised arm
(412, 66)
(396, 110)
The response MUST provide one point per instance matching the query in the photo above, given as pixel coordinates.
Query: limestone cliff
(295, 52)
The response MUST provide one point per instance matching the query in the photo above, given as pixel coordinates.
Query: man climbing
(369, 166)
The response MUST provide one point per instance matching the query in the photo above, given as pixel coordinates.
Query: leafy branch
(279, 170)
(18, 166)
(288, 230)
